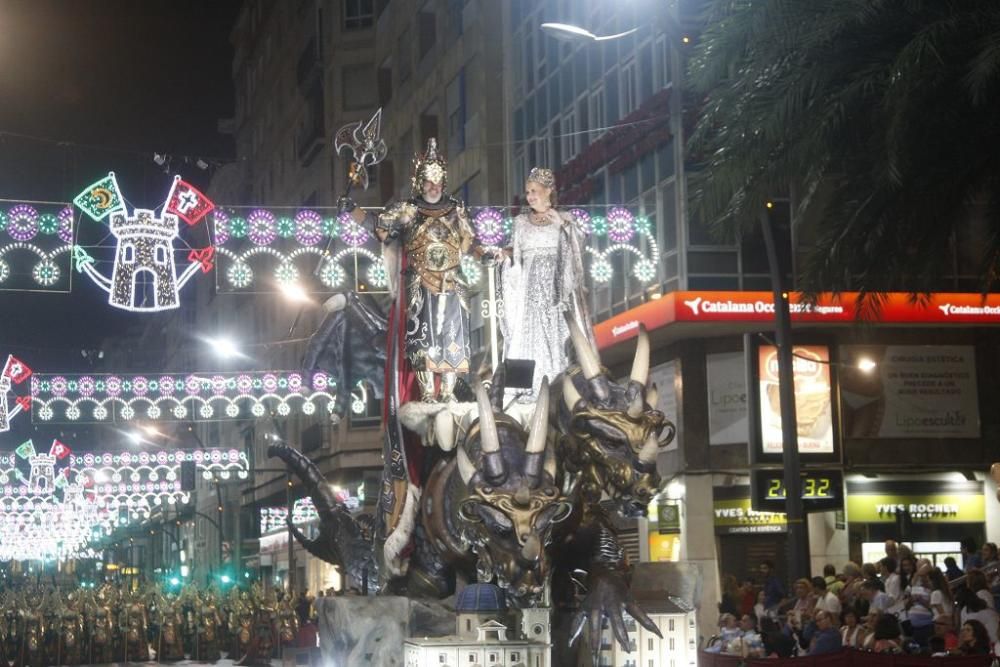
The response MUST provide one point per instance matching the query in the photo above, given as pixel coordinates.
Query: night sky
(90, 86)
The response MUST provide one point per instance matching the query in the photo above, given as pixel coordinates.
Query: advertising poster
(727, 398)
(664, 377)
(813, 408)
(910, 391)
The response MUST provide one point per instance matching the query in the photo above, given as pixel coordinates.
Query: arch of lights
(36, 243)
(94, 492)
(124, 398)
(245, 238)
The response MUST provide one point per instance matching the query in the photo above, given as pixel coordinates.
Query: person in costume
(432, 230)
(542, 280)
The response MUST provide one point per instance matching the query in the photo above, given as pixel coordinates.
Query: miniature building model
(675, 618)
(480, 638)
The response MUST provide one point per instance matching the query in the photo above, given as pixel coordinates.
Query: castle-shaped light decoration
(144, 277)
(43, 474)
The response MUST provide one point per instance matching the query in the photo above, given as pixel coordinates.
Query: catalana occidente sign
(676, 307)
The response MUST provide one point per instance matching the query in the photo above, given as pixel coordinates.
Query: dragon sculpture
(521, 507)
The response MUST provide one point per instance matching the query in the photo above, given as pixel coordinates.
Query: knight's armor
(434, 237)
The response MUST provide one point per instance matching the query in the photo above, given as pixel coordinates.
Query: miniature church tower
(144, 257)
(43, 473)
(536, 626)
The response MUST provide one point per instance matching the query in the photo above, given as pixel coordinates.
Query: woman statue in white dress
(542, 281)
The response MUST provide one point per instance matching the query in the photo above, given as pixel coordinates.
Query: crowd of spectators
(901, 604)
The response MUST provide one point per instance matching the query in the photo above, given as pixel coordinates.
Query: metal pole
(291, 538)
(798, 536)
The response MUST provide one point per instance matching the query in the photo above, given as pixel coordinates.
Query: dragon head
(612, 432)
(512, 501)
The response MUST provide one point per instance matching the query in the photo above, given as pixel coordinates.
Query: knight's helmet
(431, 166)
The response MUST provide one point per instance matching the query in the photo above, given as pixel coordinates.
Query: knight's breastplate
(434, 248)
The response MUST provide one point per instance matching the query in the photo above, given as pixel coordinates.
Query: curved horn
(538, 429)
(649, 450)
(489, 438)
(652, 396)
(585, 356)
(635, 406)
(570, 395)
(444, 430)
(465, 468)
(550, 465)
(640, 364)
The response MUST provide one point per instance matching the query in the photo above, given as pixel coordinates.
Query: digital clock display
(822, 490)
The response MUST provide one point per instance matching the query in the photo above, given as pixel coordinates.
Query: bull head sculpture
(513, 501)
(612, 433)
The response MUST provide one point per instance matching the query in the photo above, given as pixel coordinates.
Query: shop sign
(758, 307)
(668, 518)
(914, 391)
(811, 373)
(727, 398)
(664, 548)
(932, 508)
(735, 516)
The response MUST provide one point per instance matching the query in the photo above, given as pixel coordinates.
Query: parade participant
(542, 280)
(432, 230)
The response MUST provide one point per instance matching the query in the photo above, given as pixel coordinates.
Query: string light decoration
(38, 255)
(15, 372)
(619, 231)
(117, 398)
(144, 277)
(260, 249)
(92, 493)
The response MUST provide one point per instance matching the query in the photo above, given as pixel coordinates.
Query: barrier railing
(845, 658)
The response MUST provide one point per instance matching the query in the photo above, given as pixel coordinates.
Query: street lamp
(293, 292)
(567, 32)
(224, 346)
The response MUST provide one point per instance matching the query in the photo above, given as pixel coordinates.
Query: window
(472, 657)
(649, 644)
(426, 32)
(515, 656)
(542, 157)
(359, 14)
(405, 50)
(597, 120)
(161, 255)
(629, 88)
(385, 82)
(670, 625)
(428, 124)
(455, 94)
(128, 253)
(358, 87)
(441, 658)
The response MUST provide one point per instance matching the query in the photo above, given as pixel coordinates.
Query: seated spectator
(825, 600)
(805, 603)
(834, 584)
(730, 603)
(973, 639)
(851, 632)
(760, 609)
(878, 601)
(919, 622)
(970, 554)
(942, 601)
(975, 581)
(850, 593)
(989, 556)
(821, 634)
(777, 643)
(944, 630)
(972, 607)
(729, 630)
(868, 643)
(887, 634)
(870, 573)
(952, 571)
(748, 596)
(752, 644)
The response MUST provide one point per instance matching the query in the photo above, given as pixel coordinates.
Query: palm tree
(881, 118)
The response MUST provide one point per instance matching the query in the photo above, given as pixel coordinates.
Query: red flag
(16, 370)
(205, 256)
(24, 402)
(59, 450)
(187, 202)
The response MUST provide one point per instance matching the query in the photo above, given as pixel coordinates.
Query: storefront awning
(690, 314)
